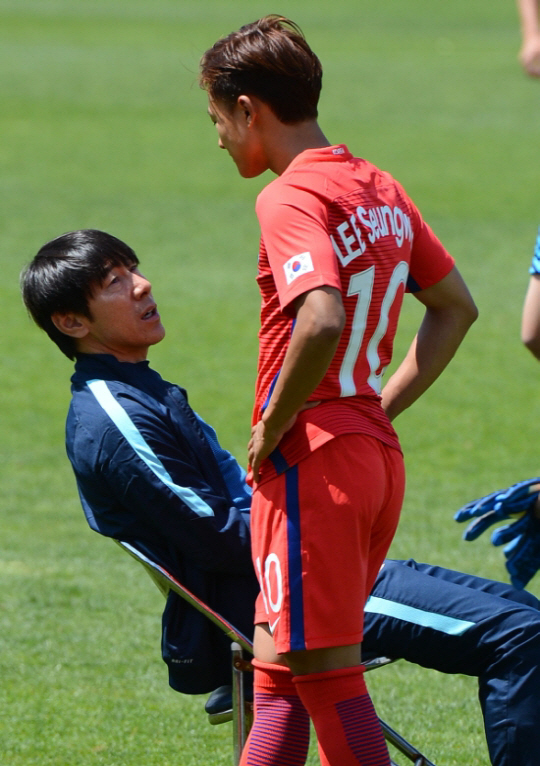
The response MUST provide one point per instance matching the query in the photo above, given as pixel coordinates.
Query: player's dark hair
(269, 59)
(62, 276)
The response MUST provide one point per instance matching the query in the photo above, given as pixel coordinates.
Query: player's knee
(324, 660)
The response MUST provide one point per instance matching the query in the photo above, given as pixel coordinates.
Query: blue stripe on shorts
(297, 638)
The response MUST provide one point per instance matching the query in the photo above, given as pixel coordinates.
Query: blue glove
(498, 506)
(523, 551)
(523, 535)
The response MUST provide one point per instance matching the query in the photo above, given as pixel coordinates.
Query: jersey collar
(337, 153)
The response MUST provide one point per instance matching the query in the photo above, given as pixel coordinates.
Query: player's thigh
(352, 493)
(386, 520)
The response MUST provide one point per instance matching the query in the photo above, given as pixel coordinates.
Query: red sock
(280, 732)
(347, 726)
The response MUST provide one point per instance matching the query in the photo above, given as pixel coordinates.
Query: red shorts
(320, 533)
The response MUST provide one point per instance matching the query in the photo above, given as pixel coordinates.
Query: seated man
(151, 472)
(148, 470)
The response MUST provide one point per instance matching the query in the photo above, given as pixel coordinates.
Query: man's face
(125, 321)
(239, 136)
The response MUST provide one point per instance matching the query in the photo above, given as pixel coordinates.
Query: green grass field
(103, 125)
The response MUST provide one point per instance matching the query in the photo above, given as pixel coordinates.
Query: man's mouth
(152, 312)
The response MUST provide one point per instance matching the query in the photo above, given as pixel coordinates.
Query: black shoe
(219, 701)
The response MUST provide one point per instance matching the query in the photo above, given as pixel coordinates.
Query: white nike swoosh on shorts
(272, 625)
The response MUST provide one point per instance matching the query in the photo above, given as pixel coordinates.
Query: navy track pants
(458, 623)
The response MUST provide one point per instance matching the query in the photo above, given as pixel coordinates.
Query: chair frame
(241, 713)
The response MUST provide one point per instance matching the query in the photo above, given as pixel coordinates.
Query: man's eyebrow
(109, 268)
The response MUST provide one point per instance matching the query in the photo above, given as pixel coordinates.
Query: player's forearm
(530, 318)
(529, 16)
(438, 339)
(312, 348)
(529, 53)
(319, 323)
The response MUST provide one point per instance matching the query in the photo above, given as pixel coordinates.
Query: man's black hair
(62, 276)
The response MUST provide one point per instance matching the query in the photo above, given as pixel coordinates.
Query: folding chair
(241, 713)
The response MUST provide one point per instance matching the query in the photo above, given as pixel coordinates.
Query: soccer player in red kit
(340, 244)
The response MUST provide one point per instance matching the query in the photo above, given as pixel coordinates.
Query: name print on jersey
(377, 222)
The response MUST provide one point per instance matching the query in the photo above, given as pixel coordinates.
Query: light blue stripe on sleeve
(450, 625)
(136, 440)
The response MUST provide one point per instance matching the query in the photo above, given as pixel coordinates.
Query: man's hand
(519, 502)
(523, 550)
(263, 441)
(529, 56)
(504, 504)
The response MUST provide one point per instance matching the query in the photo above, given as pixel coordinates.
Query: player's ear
(249, 106)
(70, 324)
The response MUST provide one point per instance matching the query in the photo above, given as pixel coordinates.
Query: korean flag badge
(297, 265)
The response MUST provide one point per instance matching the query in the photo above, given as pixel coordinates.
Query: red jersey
(335, 220)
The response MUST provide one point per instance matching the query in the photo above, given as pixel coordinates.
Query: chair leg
(242, 714)
(403, 746)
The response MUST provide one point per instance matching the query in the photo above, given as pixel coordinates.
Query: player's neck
(288, 141)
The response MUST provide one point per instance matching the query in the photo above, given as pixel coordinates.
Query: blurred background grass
(103, 125)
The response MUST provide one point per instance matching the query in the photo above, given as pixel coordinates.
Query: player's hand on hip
(263, 441)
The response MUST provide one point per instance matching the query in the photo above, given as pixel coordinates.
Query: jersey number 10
(361, 285)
